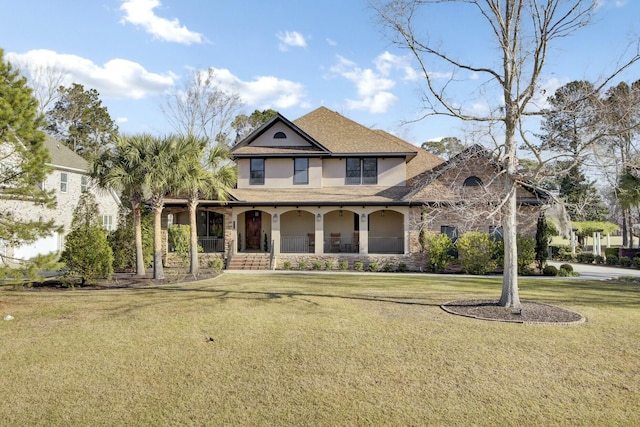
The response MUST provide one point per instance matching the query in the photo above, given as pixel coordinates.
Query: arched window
(472, 181)
(280, 135)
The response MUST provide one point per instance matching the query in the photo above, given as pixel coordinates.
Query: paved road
(599, 272)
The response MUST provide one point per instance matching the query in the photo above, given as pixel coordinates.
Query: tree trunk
(194, 265)
(158, 271)
(137, 227)
(510, 295)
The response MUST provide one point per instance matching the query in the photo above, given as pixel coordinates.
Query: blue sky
(289, 55)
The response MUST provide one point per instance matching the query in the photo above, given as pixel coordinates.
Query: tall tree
(80, 121)
(244, 124)
(214, 179)
(201, 108)
(522, 32)
(124, 168)
(446, 147)
(23, 159)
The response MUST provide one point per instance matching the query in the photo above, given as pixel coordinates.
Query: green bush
(562, 253)
(343, 265)
(179, 241)
(613, 260)
(316, 265)
(608, 252)
(586, 258)
(625, 261)
(387, 268)
(550, 270)
(566, 273)
(358, 266)
(286, 265)
(402, 267)
(599, 259)
(636, 262)
(122, 240)
(216, 264)
(302, 265)
(374, 266)
(328, 265)
(526, 253)
(475, 252)
(437, 248)
(567, 267)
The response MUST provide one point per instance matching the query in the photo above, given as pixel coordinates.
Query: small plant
(328, 265)
(302, 265)
(550, 270)
(636, 262)
(625, 261)
(216, 264)
(599, 259)
(374, 266)
(388, 268)
(402, 267)
(358, 266)
(316, 265)
(586, 258)
(286, 265)
(567, 267)
(613, 260)
(344, 265)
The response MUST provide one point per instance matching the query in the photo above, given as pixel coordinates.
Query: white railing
(386, 245)
(296, 244)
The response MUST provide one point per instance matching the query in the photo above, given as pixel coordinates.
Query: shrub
(179, 241)
(475, 252)
(562, 253)
(316, 265)
(437, 250)
(526, 254)
(636, 262)
(599, 259)
(122, 240)
(608, 252)
(586, 258)
(387, 268)
(625, 261)
(216, 264)
(343, 265)
(302, 265)
(358, 266)
(550, 270)
(286, 265)
(402, 267)
(374, 266)
(328, 265)
(613, 260)
(567, 267)
(565, 273)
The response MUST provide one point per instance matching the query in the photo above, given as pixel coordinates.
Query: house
(69, 179)
(325, 188)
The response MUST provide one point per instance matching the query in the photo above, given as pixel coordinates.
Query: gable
(62, 157)
(281, 136)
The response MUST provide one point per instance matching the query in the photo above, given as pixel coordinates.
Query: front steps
(249, 262)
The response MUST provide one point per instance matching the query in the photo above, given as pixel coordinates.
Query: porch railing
(386, 245)
(211, 244)
(341, 244)
(296, 244)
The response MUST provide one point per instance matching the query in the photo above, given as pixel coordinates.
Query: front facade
(324, 188)
(68, 180)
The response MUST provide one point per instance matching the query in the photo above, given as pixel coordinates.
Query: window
(450, 231)
(362, 171)
(64, 180)
(84, 183)
(472, 181)
(495, 232)
(301, 171)
(280, 135)
(257, 172)
(107, 222)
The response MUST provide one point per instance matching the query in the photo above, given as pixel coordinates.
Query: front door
(253, 225)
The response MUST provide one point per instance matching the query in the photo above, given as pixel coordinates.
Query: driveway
(598, 272)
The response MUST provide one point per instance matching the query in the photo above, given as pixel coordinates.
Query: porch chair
(312, 242)
(334, 242)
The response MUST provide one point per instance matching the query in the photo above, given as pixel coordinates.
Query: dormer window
(472, 181)
(280, 135)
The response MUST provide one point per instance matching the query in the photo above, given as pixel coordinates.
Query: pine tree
(86, 251)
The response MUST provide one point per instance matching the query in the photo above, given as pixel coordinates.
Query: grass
(309, 349)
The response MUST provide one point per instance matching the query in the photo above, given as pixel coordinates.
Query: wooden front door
(253, 225)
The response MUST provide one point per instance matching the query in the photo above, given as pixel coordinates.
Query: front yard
(325, 349)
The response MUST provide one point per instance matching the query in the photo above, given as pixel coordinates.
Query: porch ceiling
(347, 195)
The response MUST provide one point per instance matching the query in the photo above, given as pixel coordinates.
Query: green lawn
(317, 349)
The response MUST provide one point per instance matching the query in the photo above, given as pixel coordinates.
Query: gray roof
(62, 157)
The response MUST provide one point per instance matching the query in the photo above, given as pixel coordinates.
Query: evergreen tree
(86, 251)
(23, 159)
(122, 240)
(80, 121)
(244, 124)
(542, 241)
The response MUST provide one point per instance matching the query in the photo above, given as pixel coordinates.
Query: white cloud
(117, 78)
(291, 38)
(140, 12)
(331, 42)
(263, 91)
(122, 120)
(372, 88)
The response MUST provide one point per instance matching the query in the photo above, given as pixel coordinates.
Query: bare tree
(202, 109)
(522, 32)
(45, 81)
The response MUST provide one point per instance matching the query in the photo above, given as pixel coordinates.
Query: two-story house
(69, 179)
(325, 188)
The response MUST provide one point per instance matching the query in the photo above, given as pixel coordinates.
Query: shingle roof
(347, 195)
(64, 157)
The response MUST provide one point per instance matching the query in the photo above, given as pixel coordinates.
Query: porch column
(594, 247)
(319, 230)
(275, 233)
(234, 233)
(407, 233)
(364, 233)
(573, 242)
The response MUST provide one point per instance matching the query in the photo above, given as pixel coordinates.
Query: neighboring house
(324, 188)
(69, 179)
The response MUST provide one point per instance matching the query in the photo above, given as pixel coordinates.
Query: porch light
(298, 213)
(319, 217)
(233, 225)
(339, 213)
(275, 217)
(382, 213)
(170, 219)
(363, 218)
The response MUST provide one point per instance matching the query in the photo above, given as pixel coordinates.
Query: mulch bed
(530, 313)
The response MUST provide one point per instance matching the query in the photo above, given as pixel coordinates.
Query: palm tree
(198, 181)
(123, 169)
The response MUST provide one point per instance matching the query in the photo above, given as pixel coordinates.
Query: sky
(289, 55)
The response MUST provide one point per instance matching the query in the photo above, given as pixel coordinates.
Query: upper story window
(257, 172)
(84, 183)
(472, 181)
(362, 171)
(107, 222)
(300, 171)
(64, 181)
(280, 135)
